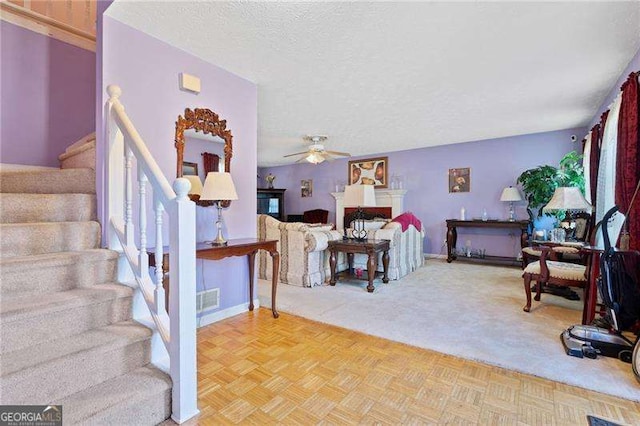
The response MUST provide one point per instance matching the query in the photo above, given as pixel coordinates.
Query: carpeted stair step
(58, 368)
(80, 143)
(50, 181)
(23, 239)
(81, 154)
(56, 271)
(140, 397)
(22, 208)
(28, 320)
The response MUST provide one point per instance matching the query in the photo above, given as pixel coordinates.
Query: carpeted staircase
(66, 333)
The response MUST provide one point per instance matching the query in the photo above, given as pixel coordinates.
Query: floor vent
(208, 299)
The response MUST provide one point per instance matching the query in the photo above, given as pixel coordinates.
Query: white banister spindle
(128, 210)
(178, 331)
(182, 304)
(143, 258)
(158, 295)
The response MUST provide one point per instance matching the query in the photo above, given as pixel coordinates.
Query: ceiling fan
(316, 153)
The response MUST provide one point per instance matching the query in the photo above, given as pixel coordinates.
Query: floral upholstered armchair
(406, 244)
(304, 258)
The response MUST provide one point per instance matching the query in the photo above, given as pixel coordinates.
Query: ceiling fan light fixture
(316, 152)
(315, 158)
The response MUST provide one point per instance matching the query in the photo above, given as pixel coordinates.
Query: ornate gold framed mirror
(206, 122)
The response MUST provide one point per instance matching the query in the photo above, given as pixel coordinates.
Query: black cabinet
(271, 202)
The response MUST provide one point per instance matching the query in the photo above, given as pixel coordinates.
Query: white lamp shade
(359, 196)
(218, 186)
(196, 184)
(315, 158)
(510, 194)
(567, 198)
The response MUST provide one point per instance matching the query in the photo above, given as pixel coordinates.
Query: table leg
(371, 270)
(385, 266)
(350, 260)
(251, 257)
(452, 237)
(275, 260)
(165, 285)
(332, 264)
(527, 292)
(524, 238)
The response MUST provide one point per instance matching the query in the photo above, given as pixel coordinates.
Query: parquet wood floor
(253, 369)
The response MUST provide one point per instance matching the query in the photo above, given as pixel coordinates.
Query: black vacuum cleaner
(620, 291)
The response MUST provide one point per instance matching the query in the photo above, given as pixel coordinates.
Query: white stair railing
(178, 330)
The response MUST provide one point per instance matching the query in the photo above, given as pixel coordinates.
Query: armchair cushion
(320, 226)
(561, 270)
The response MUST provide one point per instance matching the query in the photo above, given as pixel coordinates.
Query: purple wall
(494, 163)
(634, 65)
(48, 96)
(147, 70)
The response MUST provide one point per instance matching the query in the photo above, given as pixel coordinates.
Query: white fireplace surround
(393, 198)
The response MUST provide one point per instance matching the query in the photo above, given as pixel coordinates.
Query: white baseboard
(434, 256)
(226, 313)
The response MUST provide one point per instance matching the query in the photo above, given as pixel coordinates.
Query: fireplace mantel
(393, 198)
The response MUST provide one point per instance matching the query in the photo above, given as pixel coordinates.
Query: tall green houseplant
(539, 184)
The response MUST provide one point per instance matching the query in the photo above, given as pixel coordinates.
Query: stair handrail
(177, 329)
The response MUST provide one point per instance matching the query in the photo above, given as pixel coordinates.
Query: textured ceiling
(386, 76)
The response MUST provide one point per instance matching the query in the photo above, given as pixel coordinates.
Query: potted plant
(539, 184)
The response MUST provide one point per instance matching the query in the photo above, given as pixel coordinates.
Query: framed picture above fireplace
(370, 171)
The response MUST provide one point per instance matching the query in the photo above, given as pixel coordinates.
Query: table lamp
(511, 195)
(196, 187)
(218, 187)
(569, 199)
(359, 196)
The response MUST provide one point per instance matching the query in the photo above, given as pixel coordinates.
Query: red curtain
(627, 158)
(594, 162)
(211, 162)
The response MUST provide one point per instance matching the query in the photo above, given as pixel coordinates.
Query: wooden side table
(239, 247)
(452, 238)
(369, 247)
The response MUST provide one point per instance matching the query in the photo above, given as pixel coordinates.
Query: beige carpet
(471, 311)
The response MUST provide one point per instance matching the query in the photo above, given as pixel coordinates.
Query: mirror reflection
(202, 154)
(203, 144)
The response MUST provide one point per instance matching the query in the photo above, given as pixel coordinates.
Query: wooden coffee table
(368, 247)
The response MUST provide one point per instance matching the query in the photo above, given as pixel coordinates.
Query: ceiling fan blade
(328, 156)
(343, 154)
(297, 153)
(301, 160)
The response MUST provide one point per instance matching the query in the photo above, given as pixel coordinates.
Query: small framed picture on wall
(460, 180)
(306, 188)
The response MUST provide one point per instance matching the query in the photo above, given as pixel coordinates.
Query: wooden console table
(452, 237)
(368, 247)
(239, 247)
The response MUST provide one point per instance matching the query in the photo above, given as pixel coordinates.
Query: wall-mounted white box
(189, 83)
